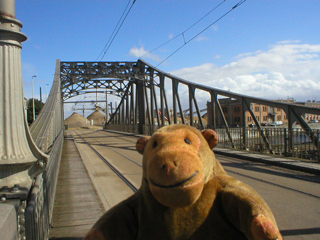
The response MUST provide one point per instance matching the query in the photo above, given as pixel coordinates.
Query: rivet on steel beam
(41, 164)
(21, 210)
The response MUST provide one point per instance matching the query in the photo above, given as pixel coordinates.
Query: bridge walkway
(292, 195)
(77, 205)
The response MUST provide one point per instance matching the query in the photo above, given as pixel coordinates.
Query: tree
(38, 106)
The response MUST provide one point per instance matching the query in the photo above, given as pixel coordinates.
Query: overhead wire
(182, 34)
(186, 42)
(116, 30)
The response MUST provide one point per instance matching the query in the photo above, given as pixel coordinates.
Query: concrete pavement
(290, 163)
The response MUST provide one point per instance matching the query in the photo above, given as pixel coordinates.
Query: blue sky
(264, 48)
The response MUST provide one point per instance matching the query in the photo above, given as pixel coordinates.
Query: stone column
(20, 159)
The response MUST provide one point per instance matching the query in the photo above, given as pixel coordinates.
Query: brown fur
(186, 194)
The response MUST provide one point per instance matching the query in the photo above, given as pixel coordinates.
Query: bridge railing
(47, 126)
(48, 133)
(301, 145)
(154, 98)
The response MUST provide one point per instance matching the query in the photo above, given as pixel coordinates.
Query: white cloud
(287, 69)
(215, 28)
(289, 41)
(201, 38)
(141, 52)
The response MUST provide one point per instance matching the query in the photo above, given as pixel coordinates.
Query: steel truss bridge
(150, 98)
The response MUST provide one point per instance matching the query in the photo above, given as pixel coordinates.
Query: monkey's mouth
(176, 184)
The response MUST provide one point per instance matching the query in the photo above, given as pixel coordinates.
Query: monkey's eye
(187, 141)
(155, 144)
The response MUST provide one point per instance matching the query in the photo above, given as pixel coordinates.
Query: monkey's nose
(168, 166)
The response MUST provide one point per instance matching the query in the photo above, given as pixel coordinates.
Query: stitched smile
(176, 184)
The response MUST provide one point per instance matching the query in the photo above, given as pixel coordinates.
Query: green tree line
(37, 105)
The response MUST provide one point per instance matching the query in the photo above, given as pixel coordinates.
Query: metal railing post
(286, 139)
(141, 107)
(318, 147)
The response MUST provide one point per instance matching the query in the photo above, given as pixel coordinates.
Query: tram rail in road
(119, 174)
(113, 165)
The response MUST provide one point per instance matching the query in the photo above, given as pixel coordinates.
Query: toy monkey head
(177, 162)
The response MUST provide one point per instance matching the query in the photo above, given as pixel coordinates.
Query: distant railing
(251, 139)
(48, 133)
(300, 146)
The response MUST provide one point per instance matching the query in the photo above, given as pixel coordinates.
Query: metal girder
(265, 139)
(224, 120)
(160, 98)
(314, 137)
(81, 76)
(117, 86)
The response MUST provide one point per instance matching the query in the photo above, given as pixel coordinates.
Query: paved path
(290, 163)
(294, 196)
(77, 205)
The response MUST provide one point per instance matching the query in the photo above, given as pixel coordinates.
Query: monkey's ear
(141, 143)
(211, 137)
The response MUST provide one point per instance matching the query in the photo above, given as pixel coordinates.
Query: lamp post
(46, 92)
(20, 159)
(33, 108)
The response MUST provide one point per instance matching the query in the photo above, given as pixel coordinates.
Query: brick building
(232, 109)
(314, 104)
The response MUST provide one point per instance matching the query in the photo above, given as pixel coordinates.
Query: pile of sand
(98, 118)
(76, 121)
